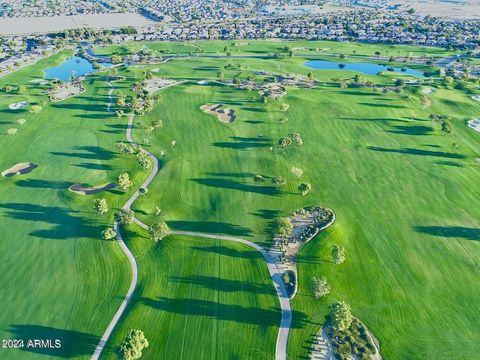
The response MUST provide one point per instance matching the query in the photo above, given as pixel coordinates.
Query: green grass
(201, 299)
(404, 196)
(406, 201)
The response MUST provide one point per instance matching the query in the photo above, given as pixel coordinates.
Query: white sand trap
(66, 91)
(427, 91)
(155, 70)
(19, 169)
(157, 83)
(18, 106)
(226, 116)
(476, 97)
(39, 81)
(202, 82)
(90, 190)
(474, 124)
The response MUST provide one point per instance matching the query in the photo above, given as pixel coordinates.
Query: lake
(366, 68)
(71, 68)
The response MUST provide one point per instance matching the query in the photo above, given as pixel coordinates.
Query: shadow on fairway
(376, 105)
(88, 152)
(225, 251)
(267, 214)
(92, 166)
(450, 232)
(410, 151)
(227, 312)
(244, 143)
(62, 224)
(234, 185)
(43, 184)
(225, 285)
(210, 227)
(411, 130)
(450, 163)
(73, 343)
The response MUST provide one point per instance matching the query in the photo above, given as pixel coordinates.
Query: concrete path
(128, 253)
(275, 273)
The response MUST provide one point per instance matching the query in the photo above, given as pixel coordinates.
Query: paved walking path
(275, 273)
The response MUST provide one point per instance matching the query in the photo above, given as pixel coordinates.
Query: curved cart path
(275, 273)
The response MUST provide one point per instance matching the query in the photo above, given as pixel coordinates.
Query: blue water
(71, 68)
(366, 68)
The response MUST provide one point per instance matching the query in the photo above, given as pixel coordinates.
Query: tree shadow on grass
(88, 152)
(225, 285)
(234, 185)
(225, 251)
(267, 214)
(411, 151)
(412, 130)
(73, 343)
(93, 166)
(64, 225)
(450, 232)
(43, 184)
(223, 312)
(210, 227)
(376, 105)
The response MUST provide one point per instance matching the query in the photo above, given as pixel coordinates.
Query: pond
(366, 68)
(71, 68)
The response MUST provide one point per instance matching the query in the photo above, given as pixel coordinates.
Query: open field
(405, 194)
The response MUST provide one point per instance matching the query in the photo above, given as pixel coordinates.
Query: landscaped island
(205, 173)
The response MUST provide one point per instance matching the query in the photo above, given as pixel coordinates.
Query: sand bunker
(226, 116)
(427, 91)
(39, 81)
(90, 190)
(474, 124)
(157, 83)
(18, 106)
(19, 169)
(202, 82)
(66, 91)
(476, 97)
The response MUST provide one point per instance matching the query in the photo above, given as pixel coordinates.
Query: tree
(21, 88)
(109, 233)
(159, 230)
(258, 179)
(284, 142)
(296, 138)
(320, 287)
(116, 59)
(279, 181)
(131, 348)
(158, 211)
(21, 121)
(283, 227)
(340, 316)
(12, 131)
(338, 254)
(220, 75)
(304, 188)
(284, 107)
(35, 109)
(124, 216)
(296, 171)
(447, 126)
(101, 206)
(124, 181)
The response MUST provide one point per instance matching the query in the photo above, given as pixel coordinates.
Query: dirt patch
(18, 106)
(65, 91)
(157, 83)
(226, 116)
(91, 190)
(19, 169)
(474, 124)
